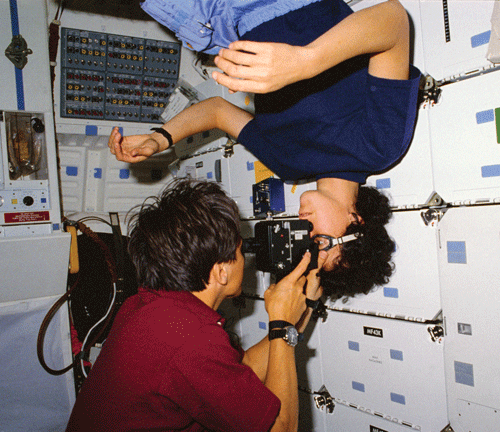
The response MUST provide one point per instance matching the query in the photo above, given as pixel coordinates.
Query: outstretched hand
(260, 67)
(133, 148)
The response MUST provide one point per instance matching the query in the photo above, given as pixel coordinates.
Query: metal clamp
(17, 52)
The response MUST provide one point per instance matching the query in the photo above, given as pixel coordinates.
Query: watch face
(292, 336)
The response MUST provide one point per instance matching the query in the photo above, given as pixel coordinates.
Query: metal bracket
(324, 400)
(431, 216)
(17, 52)
(320, 312)
(436, 332)
(228, 148)
(430, 92)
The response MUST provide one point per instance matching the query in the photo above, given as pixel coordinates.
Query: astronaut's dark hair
(177, 237)
(366, 262)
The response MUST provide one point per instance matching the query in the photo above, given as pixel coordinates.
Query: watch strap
(313, 304)
(277, 334)
(278, 324)
(163, 132)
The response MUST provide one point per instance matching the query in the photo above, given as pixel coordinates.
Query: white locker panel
(413, 9)
(465, 141)
(32, 399)
(410, 183)
(413, 290)
(385, 367)
(32, 85)
(349, 419)
(456, 35)
(470, 261)
(34, 266)
(92, 180)
(73, 174)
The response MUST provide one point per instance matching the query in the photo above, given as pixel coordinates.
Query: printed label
(376, 429)
(372, 331)
(24, 217)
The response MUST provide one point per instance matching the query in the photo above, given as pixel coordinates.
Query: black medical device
(279, 245)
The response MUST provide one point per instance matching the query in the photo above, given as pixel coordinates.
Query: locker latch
(430, 92)
(17, 52)
(436, 332)
(324, 400)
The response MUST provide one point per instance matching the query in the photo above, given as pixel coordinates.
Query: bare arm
(213, 113)
(256, 357)
(381, 30)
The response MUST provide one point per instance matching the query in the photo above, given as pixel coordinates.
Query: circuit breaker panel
(113, 77)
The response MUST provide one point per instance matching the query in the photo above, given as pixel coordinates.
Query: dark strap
(278, 324)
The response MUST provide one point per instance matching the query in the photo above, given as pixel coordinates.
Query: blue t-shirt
(343, 123)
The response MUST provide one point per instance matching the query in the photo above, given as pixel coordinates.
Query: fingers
(301, 268)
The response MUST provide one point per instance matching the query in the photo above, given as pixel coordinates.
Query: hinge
(436, 332)
(228, 148)
(429, 91)
(324, 400)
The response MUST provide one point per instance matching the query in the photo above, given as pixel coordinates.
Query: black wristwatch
(289, 334)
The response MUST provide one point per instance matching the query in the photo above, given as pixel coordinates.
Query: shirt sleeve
(208, 381)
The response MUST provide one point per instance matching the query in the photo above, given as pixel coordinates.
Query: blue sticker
(262, 325)
(456, 252)
(72, 171)
(480, 39)
(90, 130)
(485, 116)
(43, 200)
(383, 183)
(464, 373)
(358, 386)
(209, 175)
(353, 345)
(55, 227)
(490, 171)
(124, 173)
(391, 292)
(249, 166)
(97, 173)
(400, 399)
(396, 355)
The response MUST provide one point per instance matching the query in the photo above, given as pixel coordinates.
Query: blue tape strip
(396, 355)
(485, 116)
(383, 183)
(91, 130)
(249, 166)
(400, 399)
(262, 325)
(456, 252)
(124, 173)
(480, 39)
(358, 386)
(353, 345)
(391, 292)
(72, 171)
(464, 373)
(14, 19)
(490, 171)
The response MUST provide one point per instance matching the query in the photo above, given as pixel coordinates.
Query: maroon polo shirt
(168, 365)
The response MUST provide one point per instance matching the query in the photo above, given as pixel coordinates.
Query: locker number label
(372, 331)
(376, 429)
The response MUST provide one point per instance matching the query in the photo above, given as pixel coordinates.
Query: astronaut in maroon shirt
(168, 364)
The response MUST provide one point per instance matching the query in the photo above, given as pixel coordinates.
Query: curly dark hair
(366, 262)
(178, 237)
